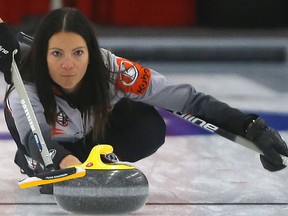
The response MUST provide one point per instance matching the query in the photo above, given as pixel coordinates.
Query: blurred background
(160, 13)
(187, 19)
(231, 39)
(166, 18)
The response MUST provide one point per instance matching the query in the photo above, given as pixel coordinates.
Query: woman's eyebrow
(81, 47)
(56, 48)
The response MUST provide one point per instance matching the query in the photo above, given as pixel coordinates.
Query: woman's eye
(78, 52)
(56, 53)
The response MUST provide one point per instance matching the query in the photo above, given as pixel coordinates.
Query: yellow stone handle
(94, 160)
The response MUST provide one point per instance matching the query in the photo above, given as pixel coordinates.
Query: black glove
(269, 142)
(8, 44)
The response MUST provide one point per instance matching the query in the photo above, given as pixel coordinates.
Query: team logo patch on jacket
(62, 118)
(132, 78)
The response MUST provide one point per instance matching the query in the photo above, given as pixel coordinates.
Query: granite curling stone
(107, 188)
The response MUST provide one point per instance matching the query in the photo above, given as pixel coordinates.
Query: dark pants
(135, 130)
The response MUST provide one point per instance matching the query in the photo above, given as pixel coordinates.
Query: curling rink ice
(191, 174)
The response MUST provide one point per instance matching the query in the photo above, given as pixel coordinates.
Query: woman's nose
(67, 63)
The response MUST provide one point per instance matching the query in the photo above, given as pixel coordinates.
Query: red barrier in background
(139, 12)
(154, 13)
(37, 7)
(13, 11)
(114, 12)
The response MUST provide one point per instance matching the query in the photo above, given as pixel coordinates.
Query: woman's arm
(148, 86)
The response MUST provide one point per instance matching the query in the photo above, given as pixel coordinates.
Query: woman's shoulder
(106, 54)
(108, 59)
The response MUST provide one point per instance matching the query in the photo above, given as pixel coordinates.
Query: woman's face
(67, 60)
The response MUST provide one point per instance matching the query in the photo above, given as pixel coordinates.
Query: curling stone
(107, 188)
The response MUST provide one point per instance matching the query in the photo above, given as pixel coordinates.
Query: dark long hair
(93, 94)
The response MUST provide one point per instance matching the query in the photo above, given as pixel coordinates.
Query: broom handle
(222, 132)
(30, 115)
